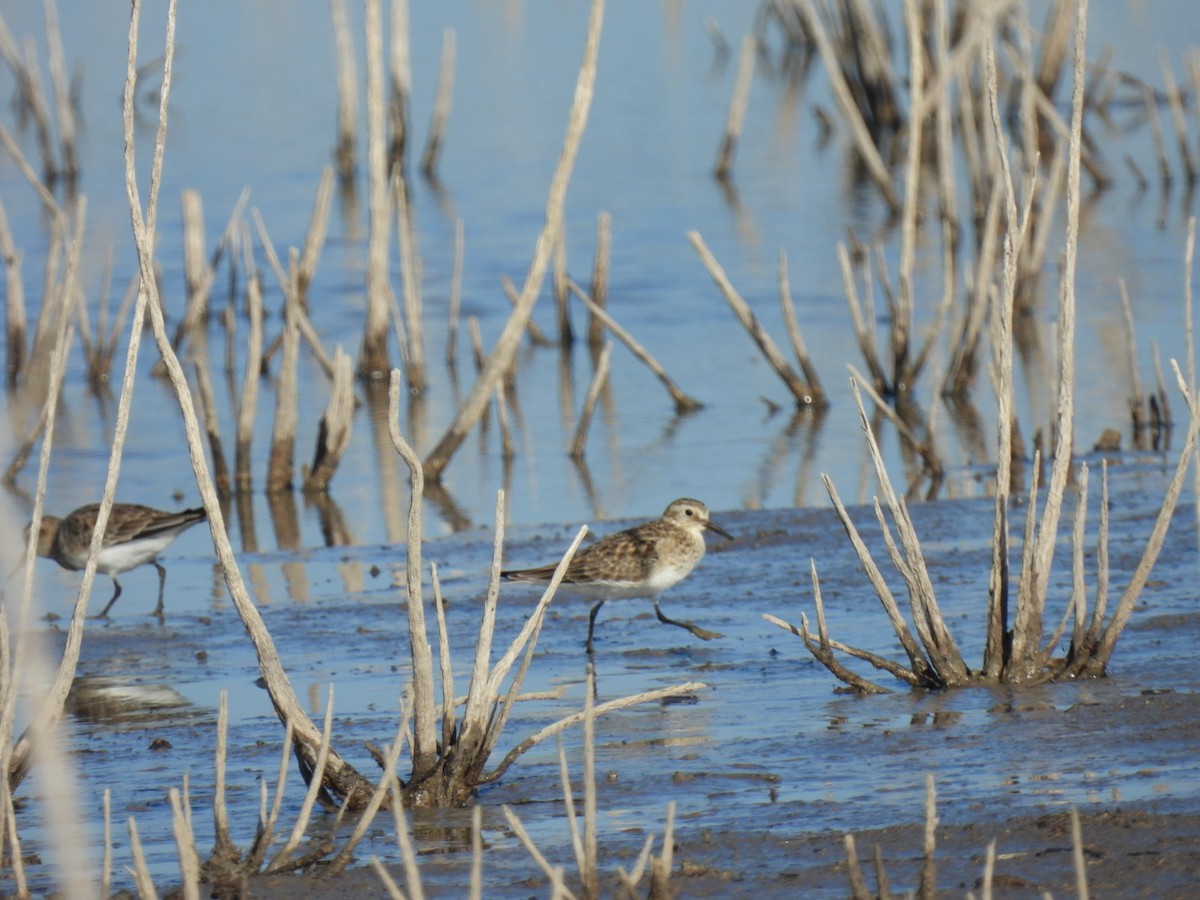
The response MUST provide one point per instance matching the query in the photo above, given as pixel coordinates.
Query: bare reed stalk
(281, 457)
(347, 91)
(314, 237)
(683, 402)
(212, 427)
(185, 843)
(44, 194)
(141, 874)
(1027, 625)
(795, 336)
(737, 109)
(410, 271)
(864, 329)
(248, 401)
(562, 292)
(505, 349)
(858, 885)
(341, 778)
(333, 433)
(455, 295)
(1164, 166)
(600, 267)
(424, 740)
(799, 390)
(14, 303)
(1176, 105)
(197, 276)
(63, 108)
(373, 357)
(1135, 384)
(599, 378)
(441, 107)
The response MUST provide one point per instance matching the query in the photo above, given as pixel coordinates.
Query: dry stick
(347, 91)
(858, 885)
(106, 859)
(660, 874)
(141, 874)
(185, 843)
(1027, 627)
(927, 889)
(683, 402)
(14, 844)
(562, 293)
(441, 107)
(858, 128)
(737, 110)
(333, 433)
(1077, 606)
(248, 401)
(212, 426)
(447, 669)
(994, 656)
(536, 335)
(1081, 882)
(799, 350)
(281, 458)
(424, 743)
(373, 357)
(589, 874)
(48, 200)
(600, 267)
(1164, 167)
(476, 884)
(569, 803)
(502, 355)
(599, 378)
(389, 883)
(1176, 104)
(455, 295)
(799, 390)
(863, 328)
(342, 777)
(1100, 606)
(1135, 384)
(314, 237)
(410, 266)
(14, 303)
(902, 318)
(222, 843)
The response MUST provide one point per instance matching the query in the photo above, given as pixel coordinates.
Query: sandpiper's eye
(691, 512)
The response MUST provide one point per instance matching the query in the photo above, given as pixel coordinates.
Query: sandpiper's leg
(703, 633)
(592, 625)
(162, 581)
(103, 614)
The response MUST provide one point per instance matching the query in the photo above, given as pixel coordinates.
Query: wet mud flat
(768, 765)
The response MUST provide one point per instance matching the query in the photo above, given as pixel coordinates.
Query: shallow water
(768, 744)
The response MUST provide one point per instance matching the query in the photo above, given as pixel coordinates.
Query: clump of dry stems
(1016, 650)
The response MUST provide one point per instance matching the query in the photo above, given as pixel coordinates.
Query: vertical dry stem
(441, 107)
(600, 265)
(373, 358)
(737, 109)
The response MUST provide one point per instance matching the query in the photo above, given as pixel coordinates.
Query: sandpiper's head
(46, 535)
(693, 515)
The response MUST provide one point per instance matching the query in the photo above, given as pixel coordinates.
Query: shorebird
(642, 561)
(134, 536)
